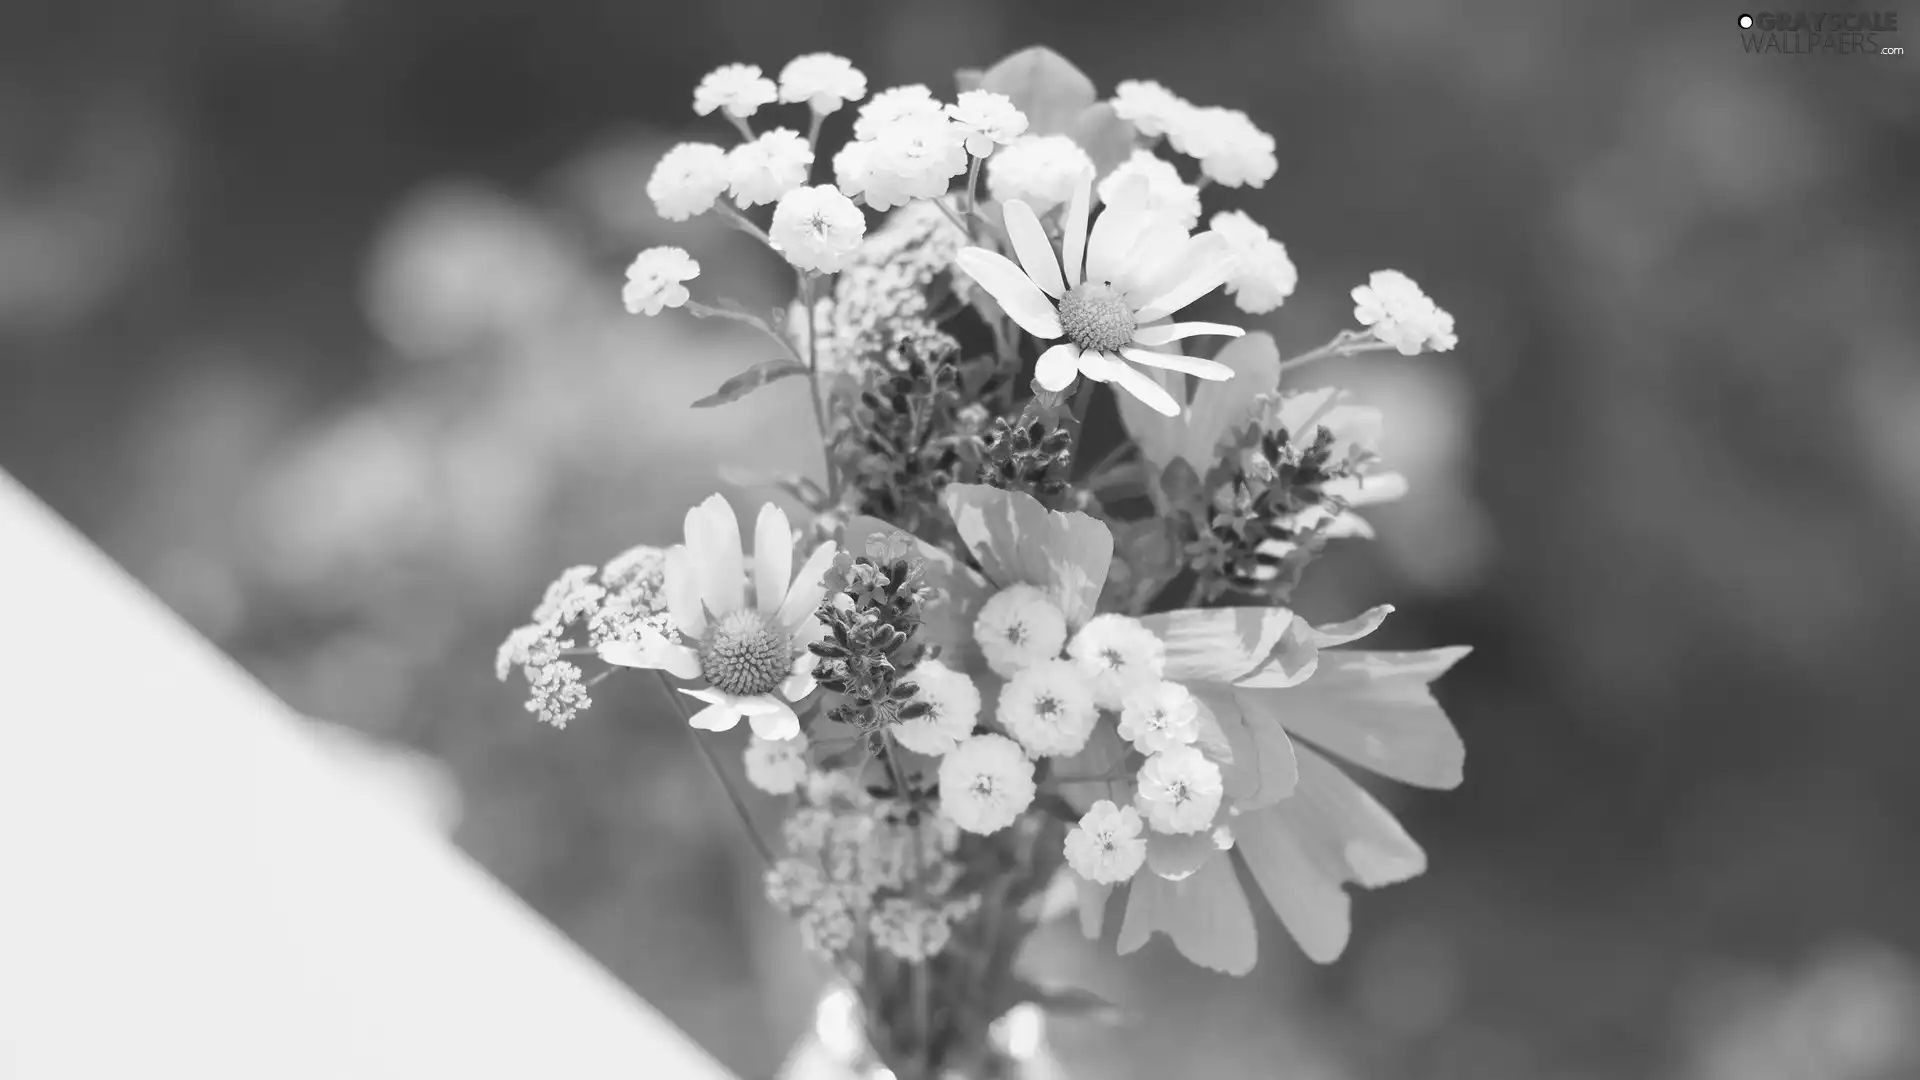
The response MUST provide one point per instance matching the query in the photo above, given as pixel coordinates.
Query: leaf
(1312, 905)
(1090, 897)
(1104, 754)
(1045, 86)
(1178, 856)
(1106, 138)
(1206, 915)
(948, 618)
(1219, 409)
(1353, 629)
(1218, 644)
(1072, 1002)
(1016, 540)
(966, 79)
(750, 380)
(1262, 768)
(1374, 709)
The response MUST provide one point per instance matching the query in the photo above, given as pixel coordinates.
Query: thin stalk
(713, 763)
(1345, 343)
(813, 387)
(740, 125)
(973, 203)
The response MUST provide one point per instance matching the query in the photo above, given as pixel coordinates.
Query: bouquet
(1000, 677)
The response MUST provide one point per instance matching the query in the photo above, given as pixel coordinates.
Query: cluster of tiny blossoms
(584, 608)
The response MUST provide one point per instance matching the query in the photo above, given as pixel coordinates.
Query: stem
(1345, 343)
(813, 128)
(973, 179)
(713, 763)
(813, 387)
(951, 216)
(740, 221)
(740, 125)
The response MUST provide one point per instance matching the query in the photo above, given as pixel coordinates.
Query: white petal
(1120, 225)
(808, 589)
(772, 558)
(721, 715)
(775, 722)
(1163, 333)
(798, 685)
(713, 544)
(1015, 291)
(1155, 261)
(1150, 393)
(1191, 365)
(1057, 365)
(1030, 243)
(1209, 259)
(1073, 247)
(1097, 365)
(654, 651)
(683, 593)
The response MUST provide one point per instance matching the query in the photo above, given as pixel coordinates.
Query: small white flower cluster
(853, 865)
(1039, 170)
(906, 146)
(628, 595)
(1398, 313)
(655, 280)
(1230, 149)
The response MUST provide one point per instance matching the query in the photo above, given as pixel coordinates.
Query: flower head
(954, 708)
(777, 766)
(1039, 170)
(1049, 708)
(740, 89)
(1140, 267)
(1118, 655)
(744, 653)
(1160, 718)
(654, 280)
(1152, 108)
(1398, 313)
(1179, 791)
(1262, 275)
(912, 156)
(892, 105)
(822, 80)
(1017, 628)
(985, 783)
(1106, 846)
(768, 167)
(988, 119)
(817, 228)
(1167, 195)
(687, 180)
(1231, 151)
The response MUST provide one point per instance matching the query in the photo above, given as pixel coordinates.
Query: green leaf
(1016, 540)
(966, 79)
(1206, 915)
(1261, 770)
(1374, 709)
(1045, 86)
(1103, 755)
(750, 380)
(1106, 138)
(1178, 856)
(1218, 644)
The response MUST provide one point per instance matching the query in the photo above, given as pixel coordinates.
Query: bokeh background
(309, 316)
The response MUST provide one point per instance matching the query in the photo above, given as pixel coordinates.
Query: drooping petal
(1150, 393)
(772, 558)
(1030, 244)
(1097, 366)
(1206, 915)
(803, 598)
(683, 593)
(1208, 261)
(776, 720)
(1155, 257)
(713, 544)
(1211, 370)
(1162, 333)
(1073, 246)
(1114, 234)
(799, 684)
(721, 714)
(1056, 367)
(1218, 645)
(1016, 292)
(1374, 709)
(653, 651)
(1353, 629)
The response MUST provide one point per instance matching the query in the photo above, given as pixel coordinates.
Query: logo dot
(1746, 21)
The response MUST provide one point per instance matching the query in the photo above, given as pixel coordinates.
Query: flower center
(1095, 317)
(745, 655)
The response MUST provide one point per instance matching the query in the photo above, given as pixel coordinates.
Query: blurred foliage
(307, 315)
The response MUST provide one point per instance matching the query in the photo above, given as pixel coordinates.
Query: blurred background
(309, 316)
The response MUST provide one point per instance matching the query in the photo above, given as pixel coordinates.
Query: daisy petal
(1015, 291)
(1151, 394)
(1073, 246)
(683, 593)
(721, 715)
(652, 650)
(808, 588)
(1154, 262)
(1095, 365)
(1208, 262)
(1119, 227)
(1191, 365)
(1168, 332)
(776, 723)
(1056, 367)
(713, 545)
(772, 558)
(1030, 243)
(798, 685)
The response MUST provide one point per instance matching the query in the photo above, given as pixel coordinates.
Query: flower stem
(713, 764)
(740, 125)
(1345, 343)
(973, 198)
(813, 386)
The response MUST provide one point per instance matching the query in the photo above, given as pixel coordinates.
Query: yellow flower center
(1095, 317)
(746, 655)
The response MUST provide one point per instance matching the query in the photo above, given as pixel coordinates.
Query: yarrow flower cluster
(984, 669)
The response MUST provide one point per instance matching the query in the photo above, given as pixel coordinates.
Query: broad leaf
(959, 592)
(1218, 645)
(1262, 768)
(1090, 898)
(1015, 540)
(750, 380)
(1353, 629)
(1103, 755)
(1206, 915)
(1106, 138)
(1374, 709)
(1045, 86)
(1218, 409)
(1177, 857)
(1310, 902)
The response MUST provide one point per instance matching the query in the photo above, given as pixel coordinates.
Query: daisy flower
(954, 708)
(988, 119)
(985, 783)
(1262, 276)
(654, 280)
(817, 228)
(1049, 708)
(822, 80)
(687, 180)
(746, 653)
(1106, 846)
(1117, 654)
(1398, 313)
(1139, 268)
(740, 89)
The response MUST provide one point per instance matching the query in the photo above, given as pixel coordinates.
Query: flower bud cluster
(873, 606)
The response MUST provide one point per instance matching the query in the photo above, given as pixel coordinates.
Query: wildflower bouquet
(1000, 681)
